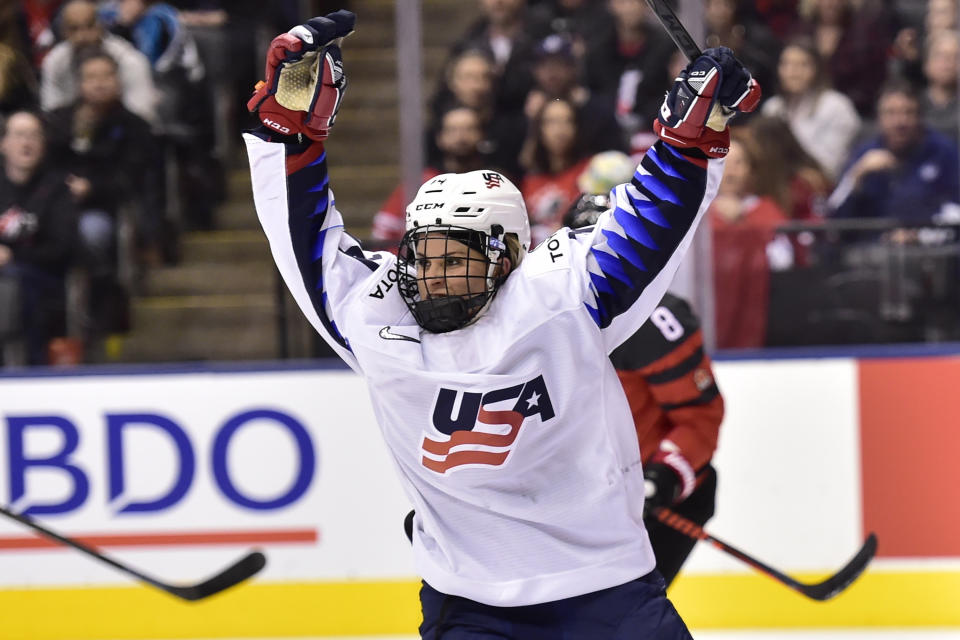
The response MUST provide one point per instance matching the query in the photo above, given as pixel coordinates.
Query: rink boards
(178, 472)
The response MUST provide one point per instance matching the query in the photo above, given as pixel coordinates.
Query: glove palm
(304, 81)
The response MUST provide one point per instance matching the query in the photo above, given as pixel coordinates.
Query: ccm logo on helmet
(429, 205)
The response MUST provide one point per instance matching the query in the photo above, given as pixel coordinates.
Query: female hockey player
(487, 365)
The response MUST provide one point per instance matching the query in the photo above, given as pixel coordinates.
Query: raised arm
(323, 266)
(635, 248)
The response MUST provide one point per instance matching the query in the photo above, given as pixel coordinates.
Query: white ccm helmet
(478, 209)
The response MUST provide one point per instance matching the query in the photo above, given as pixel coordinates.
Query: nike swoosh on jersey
(386, 334)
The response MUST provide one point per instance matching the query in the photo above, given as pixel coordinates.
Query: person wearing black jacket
(114, 165)
(111, 158)
(37, 231)
(629, 62)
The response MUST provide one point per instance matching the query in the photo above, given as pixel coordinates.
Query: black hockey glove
(706, 94)
(662, 486)
(668, 479)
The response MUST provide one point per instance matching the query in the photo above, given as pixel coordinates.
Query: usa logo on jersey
(479, 435)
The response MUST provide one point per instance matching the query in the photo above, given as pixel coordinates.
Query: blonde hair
(514, 250)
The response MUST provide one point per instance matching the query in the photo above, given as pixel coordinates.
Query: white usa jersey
(512, 436)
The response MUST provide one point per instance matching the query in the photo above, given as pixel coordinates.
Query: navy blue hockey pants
(637, 610)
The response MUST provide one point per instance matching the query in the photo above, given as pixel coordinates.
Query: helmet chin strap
(495, 250)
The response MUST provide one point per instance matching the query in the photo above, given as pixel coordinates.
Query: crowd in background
(117, 115)
(859, 120)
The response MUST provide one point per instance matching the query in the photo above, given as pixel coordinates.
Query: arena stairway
(220, 302)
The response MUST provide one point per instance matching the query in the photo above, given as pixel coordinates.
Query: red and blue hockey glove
(304, 81)
(668, 479)
(708, 92)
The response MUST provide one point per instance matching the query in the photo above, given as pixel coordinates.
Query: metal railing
(856, 281)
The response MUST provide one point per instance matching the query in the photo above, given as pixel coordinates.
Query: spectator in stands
(797, 182)
(854, 40)
(800, 184)
(907, 172)
(626, 63)
(940, 68)
(745, 246)
(83, 30)
(555, 76)
(729, 24)
(503, 32)
(912, 41)
(554, 158)
(578, 20)
(110, 155)
(37, 230)
(941, 15)
(780, 16)
(18, 81)
(155, 30)
(231, 35)
(470, 83)
(18, 84)
(184, 108)
(38, 16)
(458, 139)
(823, 120)
(468, 80)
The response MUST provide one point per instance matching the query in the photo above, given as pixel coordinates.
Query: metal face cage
(445, 274)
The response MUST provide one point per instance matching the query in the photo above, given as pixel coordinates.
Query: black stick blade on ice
(843, 578)
(245, 567)
(236, 573)
(823, 590)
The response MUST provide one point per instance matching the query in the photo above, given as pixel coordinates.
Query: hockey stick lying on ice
(239, 571)
(820, 591)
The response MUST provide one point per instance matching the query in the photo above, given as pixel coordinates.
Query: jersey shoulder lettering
(553, 254)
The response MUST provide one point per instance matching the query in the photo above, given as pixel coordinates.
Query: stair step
(238, 179)
(225, 246)
(155, 315)
(254, 341)
(205, 279)
(200, 327)
(237, 215)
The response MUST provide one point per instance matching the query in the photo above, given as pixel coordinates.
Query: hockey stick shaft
(675, 29)
(237, 572)
(820, 591)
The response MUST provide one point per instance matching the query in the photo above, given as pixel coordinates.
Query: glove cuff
(713, 144)
(675, 461)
